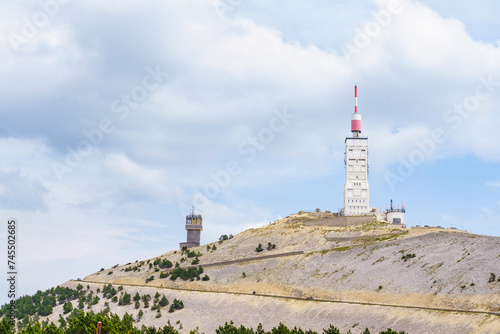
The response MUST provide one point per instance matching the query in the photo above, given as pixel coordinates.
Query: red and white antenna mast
(355, 98)
(356, 117)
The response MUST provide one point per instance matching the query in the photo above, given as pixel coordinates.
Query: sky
(117, 117)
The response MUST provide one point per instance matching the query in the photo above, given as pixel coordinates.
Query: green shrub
(126, 298)
(68, 307)
(193, 254)
(108, 291)
(186, 274)
(166, 264)
(81, 305)
(390, 331)
(492, 278)
(62, 322)
(407, 257)
(259, 248)
(331, 330)
(176, 305)
(163, 301)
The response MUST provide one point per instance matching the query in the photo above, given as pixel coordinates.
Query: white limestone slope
(361, 264)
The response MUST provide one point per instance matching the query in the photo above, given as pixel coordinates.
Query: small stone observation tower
(194, 227)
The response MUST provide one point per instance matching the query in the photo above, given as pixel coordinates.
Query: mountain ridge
(368, 265)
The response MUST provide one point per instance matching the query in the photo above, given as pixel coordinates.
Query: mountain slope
(372, 263)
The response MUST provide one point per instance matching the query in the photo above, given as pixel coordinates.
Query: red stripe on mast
(355, 98)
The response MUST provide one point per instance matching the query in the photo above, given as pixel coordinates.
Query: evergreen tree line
(42, 303)
(86, 323)
(29, 309)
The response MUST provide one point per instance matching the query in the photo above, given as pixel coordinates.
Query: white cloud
(229, 73)
(136, 181)
(494, 184)
(232, 218)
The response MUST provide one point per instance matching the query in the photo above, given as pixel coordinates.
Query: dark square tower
(194, 226)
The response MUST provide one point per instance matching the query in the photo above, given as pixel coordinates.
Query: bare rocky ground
(444, 269)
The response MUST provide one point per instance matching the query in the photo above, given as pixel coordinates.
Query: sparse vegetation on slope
(353, 263)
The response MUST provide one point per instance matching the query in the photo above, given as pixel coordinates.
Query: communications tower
(356, 190)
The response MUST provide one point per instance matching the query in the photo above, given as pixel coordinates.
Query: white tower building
(356, 190)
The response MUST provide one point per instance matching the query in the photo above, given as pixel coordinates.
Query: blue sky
(117, 117)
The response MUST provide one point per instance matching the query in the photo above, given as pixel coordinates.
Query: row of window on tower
(357, 167)
(356, 201)
(357, 207)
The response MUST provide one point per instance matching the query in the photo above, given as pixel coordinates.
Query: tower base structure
(188, 244)
(356, 190)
